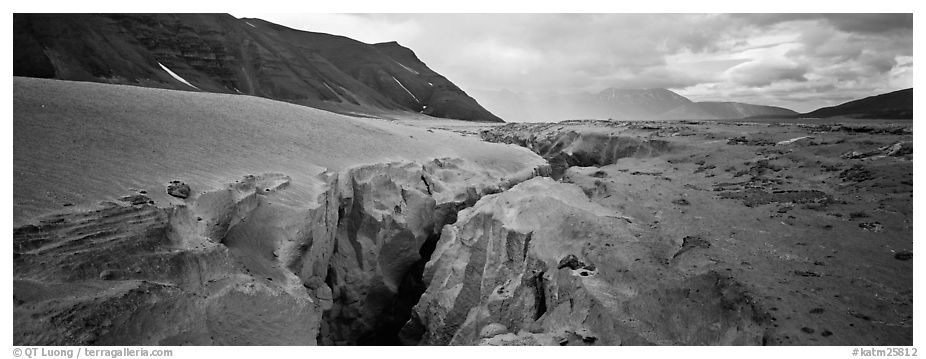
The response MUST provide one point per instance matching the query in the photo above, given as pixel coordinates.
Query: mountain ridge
(891, 105)
(714, 110)
(220, 53)
(618, 104)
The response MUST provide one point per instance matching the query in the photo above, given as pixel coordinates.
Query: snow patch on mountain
(407, 68)
(176, 77)
(406, 89)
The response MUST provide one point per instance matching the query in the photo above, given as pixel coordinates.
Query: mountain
(220, 53)
(724, 110)
(617, 104)
(893, 105)
(640, 101)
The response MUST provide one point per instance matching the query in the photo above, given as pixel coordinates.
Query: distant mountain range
(724, 111)
(663, 104)
(220, 53)
(617, 104)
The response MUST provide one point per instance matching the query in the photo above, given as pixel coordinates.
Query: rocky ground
(732, 233)
(212, 219)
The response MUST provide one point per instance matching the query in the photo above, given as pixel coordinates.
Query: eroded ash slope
(104, 255)
(240, 265)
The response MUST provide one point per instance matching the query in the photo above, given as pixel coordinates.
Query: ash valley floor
(305, 227)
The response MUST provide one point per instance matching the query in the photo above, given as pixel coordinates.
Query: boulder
(178, 189)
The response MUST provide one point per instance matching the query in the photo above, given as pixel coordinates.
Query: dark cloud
(871, 23)
(763, 74)
(856, 23)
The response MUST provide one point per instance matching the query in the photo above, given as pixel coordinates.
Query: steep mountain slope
(219, 53)
(617, 104)
(723, 110)
(893, 105)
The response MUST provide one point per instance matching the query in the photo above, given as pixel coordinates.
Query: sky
(798, 61)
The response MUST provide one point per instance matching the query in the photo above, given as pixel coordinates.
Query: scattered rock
(826, 333)
(136, 199)
(871, 226)
(753, 197)
(816, 311)
(860, 315)
(804, 273)
(857, 173)
(178, 189)
(803, 140)
(858, 214)
(681, 202)
(898, 149)
(107, 274)
(854, 155)
(691, 242)
(493, 329)
(742, 140)
(573, 262)
(807, 330)
(904, 255)
(586, 335)
(703, 168)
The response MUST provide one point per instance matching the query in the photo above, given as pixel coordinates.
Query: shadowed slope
(219, 53)
(894, 105)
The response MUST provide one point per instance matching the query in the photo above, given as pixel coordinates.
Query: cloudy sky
(798, 61)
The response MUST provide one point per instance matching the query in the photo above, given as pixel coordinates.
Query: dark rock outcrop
(178, 189)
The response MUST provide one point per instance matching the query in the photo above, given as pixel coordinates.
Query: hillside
(617, 104)
(723, 111)
(222, 54)
(893, 105)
